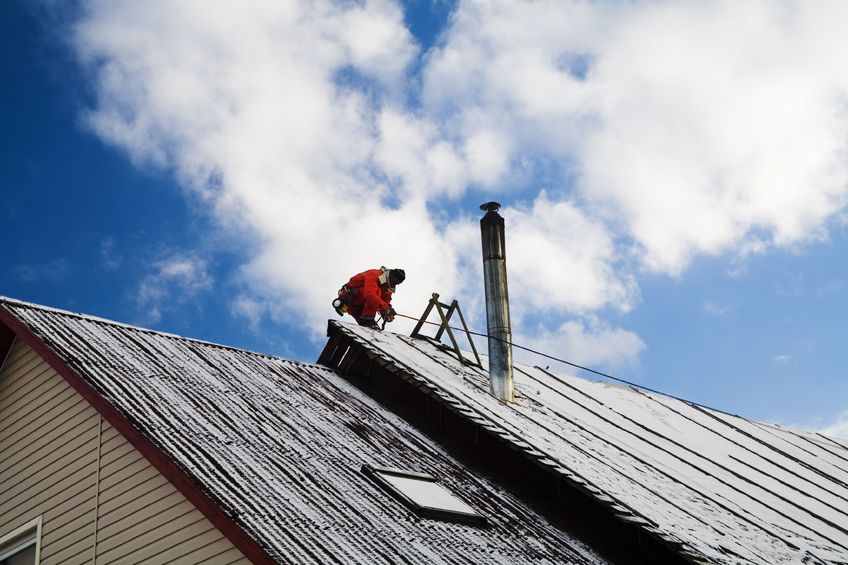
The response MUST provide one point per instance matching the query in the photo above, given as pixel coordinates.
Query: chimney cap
(490, 207)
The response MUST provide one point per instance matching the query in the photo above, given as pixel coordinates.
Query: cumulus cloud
(266, 110)
(589, 342)
(837, 429)
(622, 137)
(250, 309)
(699, 126)
(176, 279)
(562, 259)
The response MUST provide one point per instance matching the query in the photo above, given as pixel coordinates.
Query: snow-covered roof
(722, 488)
(278, 446)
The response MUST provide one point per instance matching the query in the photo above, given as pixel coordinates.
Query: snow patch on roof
(724, 487)
(278, 445)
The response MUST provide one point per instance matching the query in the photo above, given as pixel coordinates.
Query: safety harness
(344, 302)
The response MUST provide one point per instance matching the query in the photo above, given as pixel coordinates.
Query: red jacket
(368, 296)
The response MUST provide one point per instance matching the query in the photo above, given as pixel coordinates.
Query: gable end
(10, 327)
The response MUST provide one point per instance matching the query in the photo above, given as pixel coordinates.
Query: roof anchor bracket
(445, 312)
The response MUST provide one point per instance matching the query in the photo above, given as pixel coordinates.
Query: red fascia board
(183, 483)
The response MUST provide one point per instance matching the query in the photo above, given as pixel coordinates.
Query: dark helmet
(396, 276)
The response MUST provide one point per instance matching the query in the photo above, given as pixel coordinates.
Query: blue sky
(675, 204)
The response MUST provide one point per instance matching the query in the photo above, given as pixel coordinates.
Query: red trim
(246, 544)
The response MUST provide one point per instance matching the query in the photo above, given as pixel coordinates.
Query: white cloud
(659, 131)
(783, 359)
(752, 246)
(837, 429)
(487, 155)
(562, 259)
(176, 279)
(256, 108)
(692, 126)
(588, 342)
(250, 309)
(410, 151)
(110, 258)
(714, 309)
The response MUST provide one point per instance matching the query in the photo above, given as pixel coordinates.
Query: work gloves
(388, 314)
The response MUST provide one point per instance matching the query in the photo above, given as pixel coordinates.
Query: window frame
(21, 538)
(374, 472)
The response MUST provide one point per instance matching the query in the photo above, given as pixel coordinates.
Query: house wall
(97, 495)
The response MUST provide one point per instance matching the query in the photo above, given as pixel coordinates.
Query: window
(422, 494)
(22, 546)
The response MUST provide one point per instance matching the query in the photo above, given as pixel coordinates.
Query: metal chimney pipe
(497, 303)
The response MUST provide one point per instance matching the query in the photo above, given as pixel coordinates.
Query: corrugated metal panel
(722, 487)
(279, 445)
(49, 440)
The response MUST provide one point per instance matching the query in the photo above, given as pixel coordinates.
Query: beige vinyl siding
(52, 445)
(48, 454)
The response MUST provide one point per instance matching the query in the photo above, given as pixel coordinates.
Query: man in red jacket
(367, 293)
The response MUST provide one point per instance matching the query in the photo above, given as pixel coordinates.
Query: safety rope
(576, 366)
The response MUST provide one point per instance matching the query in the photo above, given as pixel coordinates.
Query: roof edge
(155, 456)
(100, 320)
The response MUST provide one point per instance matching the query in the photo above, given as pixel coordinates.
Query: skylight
(422, 494)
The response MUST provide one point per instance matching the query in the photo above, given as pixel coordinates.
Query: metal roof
(721, 488)
(279, 445)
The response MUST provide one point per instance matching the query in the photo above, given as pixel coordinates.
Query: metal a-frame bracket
(445, 312)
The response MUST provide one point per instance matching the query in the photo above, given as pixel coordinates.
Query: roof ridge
(90, 317)
(5, 300)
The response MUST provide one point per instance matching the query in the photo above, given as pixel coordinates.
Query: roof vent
(497, 303)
